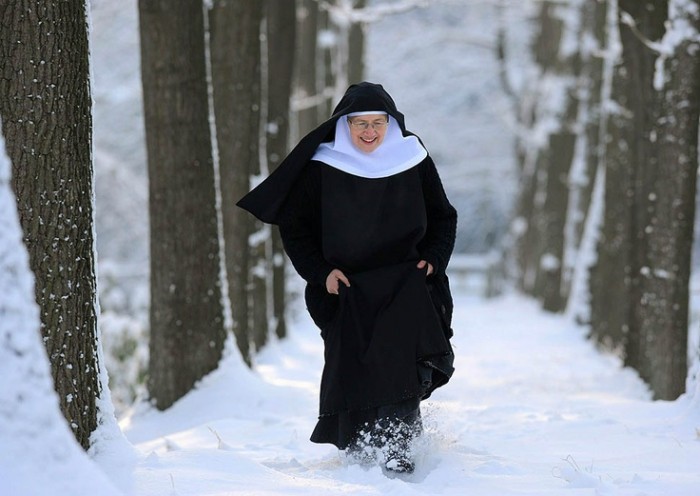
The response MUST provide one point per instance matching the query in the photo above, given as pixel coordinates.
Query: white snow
(38, 453)
(532, 408)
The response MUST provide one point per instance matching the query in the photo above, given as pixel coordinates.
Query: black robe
(386, 336)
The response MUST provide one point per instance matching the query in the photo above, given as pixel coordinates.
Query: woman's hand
(332, 281)
(422, 264)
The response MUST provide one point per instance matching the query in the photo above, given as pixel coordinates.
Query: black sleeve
(439, 240)
(300, 227)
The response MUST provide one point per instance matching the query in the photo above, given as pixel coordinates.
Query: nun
(366, 223)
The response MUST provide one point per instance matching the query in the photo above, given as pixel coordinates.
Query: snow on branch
(628, 20)
(344, 11)
(680, 29)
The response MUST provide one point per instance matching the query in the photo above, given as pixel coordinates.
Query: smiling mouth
(370, 141)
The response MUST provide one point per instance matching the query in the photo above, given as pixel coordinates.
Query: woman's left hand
(422, 264)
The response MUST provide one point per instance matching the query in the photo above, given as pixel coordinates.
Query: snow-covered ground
(38, 452)
(532, 408)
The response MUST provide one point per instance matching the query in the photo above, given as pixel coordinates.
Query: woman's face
(368, 131)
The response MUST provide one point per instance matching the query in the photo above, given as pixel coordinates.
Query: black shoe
(400, 464)
(361, 452)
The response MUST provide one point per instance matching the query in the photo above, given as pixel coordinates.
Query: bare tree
(621, 152)
(187, 329)
(45, 105)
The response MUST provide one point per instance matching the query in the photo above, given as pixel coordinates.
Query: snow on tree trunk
(609, 277)
(549, 152)
(665, 194)
(46, 106)
(187, 325)
(639, 61)
(585, 163)
(40, 455)
(559, 157)
(639, 287)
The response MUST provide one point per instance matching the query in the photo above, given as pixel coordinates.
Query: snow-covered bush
(124, 327)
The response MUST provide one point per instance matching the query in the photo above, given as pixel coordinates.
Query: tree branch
(628, 20)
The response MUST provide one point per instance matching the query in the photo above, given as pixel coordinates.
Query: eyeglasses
(364, 125)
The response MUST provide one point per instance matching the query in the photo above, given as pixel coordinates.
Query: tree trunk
(187, 329)
(666, 122)
(586, 180)
(356, 53)
(281, 36)
(235, 65)
(594, 15)
(546, 195)
(639, 61)
(526, 224)
(584, 164)
(610, 276)
(640, 295)
(328, 42)
(306, 89)
(560, 155)
(533, 179)
(45, 105)
(260, 270)
(678, 162)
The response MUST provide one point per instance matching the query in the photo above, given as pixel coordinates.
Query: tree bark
(187, 330)
(306, 88)
(356, 53)
(546, 194)
(281, 42)
(610, 276)
(45, 106)
(594, 15)
(327, 65)
(560, 155)
(531, 225)
(665, 203)
(640, 295)
(672, 250)
(642, 156)
(235, 65)
(581, 230)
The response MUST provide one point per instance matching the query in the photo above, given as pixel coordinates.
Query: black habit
(386, 336)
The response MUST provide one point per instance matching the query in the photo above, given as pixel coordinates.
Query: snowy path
(532, 409)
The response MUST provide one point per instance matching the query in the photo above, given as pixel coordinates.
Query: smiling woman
(365, 221)
(367, 131)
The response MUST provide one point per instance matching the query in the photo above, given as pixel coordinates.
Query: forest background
(592, 213)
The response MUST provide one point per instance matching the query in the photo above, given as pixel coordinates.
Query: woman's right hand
(335, 277)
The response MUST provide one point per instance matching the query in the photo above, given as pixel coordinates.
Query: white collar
(395, 154)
